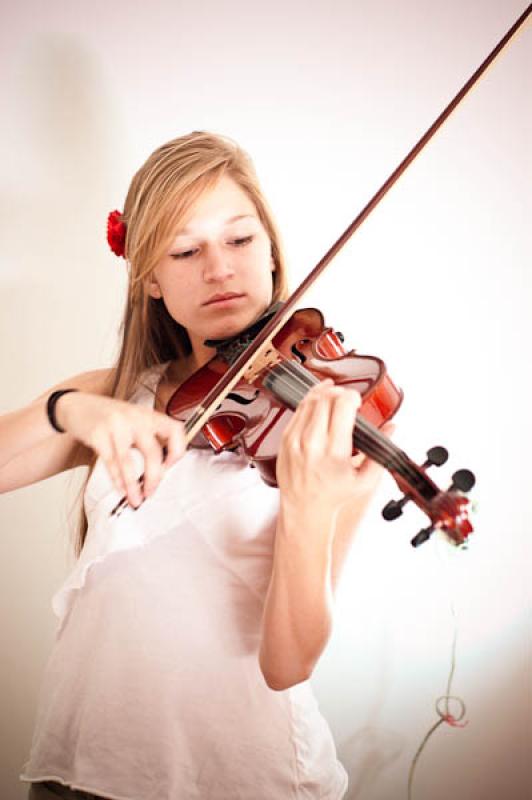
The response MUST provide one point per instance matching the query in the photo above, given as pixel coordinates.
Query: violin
(245, 395)
(253, 415)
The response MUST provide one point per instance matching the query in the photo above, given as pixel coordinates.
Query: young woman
(192, 622)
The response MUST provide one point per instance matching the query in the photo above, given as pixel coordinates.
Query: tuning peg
(436, 456)
(463, 481)
(394, 508)
(422, 536)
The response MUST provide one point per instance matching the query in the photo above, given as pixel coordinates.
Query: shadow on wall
(54, 197)
(67, 110)
(54, 201)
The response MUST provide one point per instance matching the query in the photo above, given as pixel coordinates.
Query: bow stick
(259, 353)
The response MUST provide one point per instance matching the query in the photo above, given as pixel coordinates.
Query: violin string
(371, 440)
(376, 444)
(296, 381)
(371, 445)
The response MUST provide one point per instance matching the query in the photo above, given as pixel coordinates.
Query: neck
(183, 368)
(200, 356)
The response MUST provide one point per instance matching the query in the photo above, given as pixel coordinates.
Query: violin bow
(259, 352)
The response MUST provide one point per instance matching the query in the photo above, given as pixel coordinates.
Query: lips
(218, 298)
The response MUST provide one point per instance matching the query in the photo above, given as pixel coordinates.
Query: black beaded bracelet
(50, 407)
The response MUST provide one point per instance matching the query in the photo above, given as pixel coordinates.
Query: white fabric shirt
(153, 689)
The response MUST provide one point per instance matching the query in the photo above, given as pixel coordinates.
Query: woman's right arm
(31, 450)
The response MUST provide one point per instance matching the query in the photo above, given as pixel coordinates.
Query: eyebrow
(186, 230)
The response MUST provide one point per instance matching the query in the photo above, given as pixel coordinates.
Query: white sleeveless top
(153, 689)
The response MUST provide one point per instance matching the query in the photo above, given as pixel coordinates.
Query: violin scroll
(446, 510)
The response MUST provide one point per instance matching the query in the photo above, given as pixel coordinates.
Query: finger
(153, 460)
(298, 424)
(314, 441)
(358, 460)
(346, 403)
(294, 428)
(172, 433)
(105, 451)
(122, 444)
(388, 429)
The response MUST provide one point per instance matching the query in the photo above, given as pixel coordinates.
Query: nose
(217, 266)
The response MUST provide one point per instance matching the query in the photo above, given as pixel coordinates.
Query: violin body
(253, 417)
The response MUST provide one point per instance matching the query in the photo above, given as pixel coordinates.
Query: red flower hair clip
(116, 233)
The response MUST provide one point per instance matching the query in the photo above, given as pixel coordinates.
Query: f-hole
(243, 401)
(298, 353)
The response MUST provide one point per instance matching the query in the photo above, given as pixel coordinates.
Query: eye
(184, 254)
(243, 241)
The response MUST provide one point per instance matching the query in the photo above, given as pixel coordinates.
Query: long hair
(159, 197)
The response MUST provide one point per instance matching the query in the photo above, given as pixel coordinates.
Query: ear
(154, 290)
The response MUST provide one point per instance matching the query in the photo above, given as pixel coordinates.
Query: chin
(224, 331)
(234, 323)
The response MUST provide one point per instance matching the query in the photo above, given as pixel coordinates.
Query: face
(216, 276)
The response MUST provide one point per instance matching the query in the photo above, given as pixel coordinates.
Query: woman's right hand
(112, 427)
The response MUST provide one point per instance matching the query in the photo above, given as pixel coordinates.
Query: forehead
(221, 204)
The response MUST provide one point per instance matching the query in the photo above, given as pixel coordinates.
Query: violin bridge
(264, 360)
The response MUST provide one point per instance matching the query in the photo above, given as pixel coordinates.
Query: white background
(327, 98)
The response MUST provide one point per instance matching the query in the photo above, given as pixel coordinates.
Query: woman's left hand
(315, 466)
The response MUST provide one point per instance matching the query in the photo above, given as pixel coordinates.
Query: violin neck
(369, 440)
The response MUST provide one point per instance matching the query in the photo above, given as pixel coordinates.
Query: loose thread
(442, 708)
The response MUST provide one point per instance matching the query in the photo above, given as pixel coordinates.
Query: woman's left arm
(297, 616)
(323, 498)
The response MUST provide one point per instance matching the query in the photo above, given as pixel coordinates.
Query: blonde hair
(159, 197)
